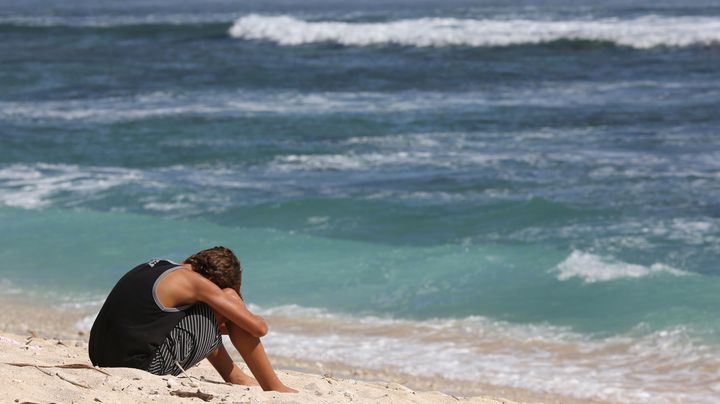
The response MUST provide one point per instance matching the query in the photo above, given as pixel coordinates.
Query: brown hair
(219, 265)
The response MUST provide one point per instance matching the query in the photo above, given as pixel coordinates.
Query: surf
(640, 33)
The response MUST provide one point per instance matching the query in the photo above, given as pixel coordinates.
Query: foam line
(593, 268)
(538, 357)
(250, 103)
(640, 33)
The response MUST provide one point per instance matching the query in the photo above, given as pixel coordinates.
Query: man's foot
(285, 389)
(243, 380)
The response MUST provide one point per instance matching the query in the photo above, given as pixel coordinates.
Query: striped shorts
(192, 340)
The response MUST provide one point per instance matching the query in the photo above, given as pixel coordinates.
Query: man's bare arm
(233, 309)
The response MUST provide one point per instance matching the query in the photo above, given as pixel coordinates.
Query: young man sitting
(165, 317)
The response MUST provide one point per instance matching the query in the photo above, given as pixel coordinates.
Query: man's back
(132, 323)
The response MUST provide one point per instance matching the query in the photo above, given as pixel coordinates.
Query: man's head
(219, 265)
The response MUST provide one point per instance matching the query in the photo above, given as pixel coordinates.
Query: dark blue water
(530, 168)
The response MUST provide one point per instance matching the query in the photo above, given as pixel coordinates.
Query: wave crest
(593, 268)
(640, 33)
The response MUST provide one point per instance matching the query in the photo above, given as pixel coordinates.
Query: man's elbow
(261, 329)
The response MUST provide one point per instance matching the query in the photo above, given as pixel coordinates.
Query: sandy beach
(33, 370)
(42, 338)
(36, 344)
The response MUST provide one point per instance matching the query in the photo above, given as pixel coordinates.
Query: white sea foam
(644, 236)
(166, 104)
(640, 366)
(251, 103)
(696, 231)
(350, 161)
(641, 33)
(439, 150)
(107, 109)
(451, 156)
(85, 324)
(41, 185)
(167, 206)
(154, 105)
(593, 268)
(9, 288)
(665, 366)
(34, 186)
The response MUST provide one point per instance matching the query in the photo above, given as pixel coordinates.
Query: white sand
(39, 384)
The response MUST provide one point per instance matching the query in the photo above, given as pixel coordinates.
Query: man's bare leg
(230, 372)
(252, 352)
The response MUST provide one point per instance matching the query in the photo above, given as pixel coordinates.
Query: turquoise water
(506, 172)
(63, 253)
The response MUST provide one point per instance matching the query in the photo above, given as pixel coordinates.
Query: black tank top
(132, 323)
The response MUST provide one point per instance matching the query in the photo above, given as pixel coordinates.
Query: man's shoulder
(161, 262)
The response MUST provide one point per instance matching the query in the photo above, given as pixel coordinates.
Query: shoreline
(56, 323)
(52, 370)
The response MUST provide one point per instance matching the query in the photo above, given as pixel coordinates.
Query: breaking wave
(640, 33)
(593, 268)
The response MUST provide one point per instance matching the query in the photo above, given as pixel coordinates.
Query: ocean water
(522, 193)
